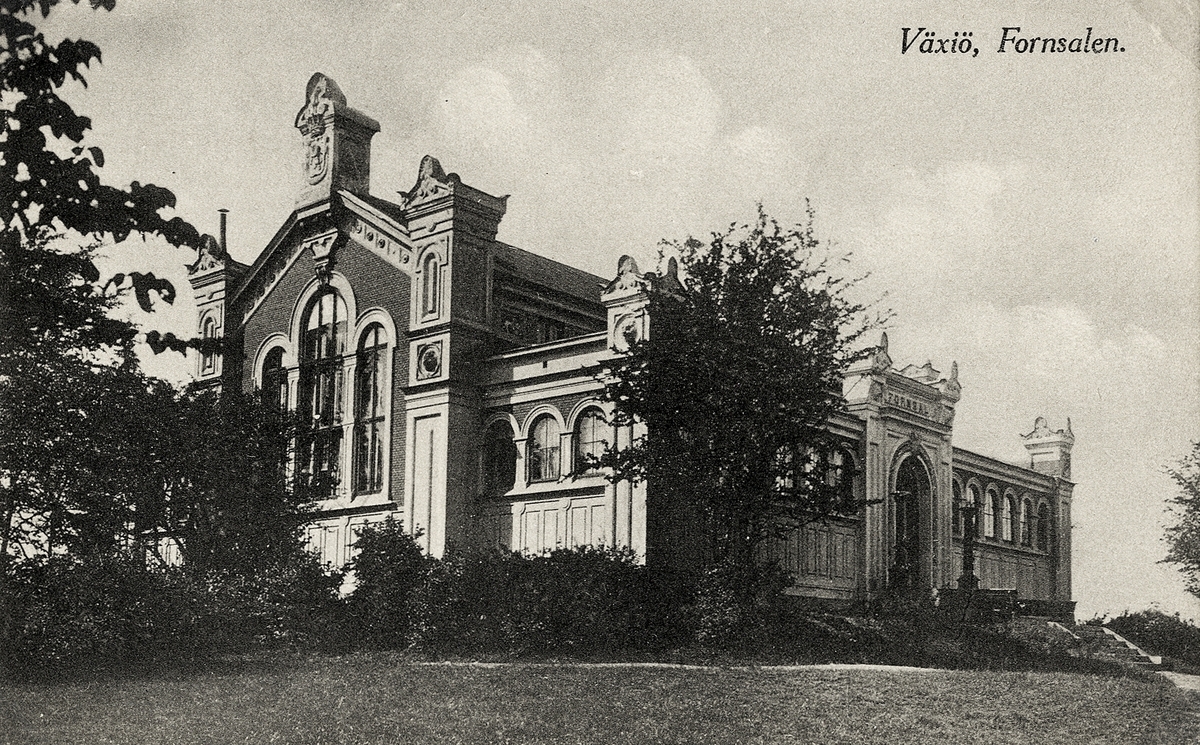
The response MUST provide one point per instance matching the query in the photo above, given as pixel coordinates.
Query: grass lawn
(383, 698)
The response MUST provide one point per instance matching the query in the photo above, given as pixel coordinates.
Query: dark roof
(392, 210)
(551, 274)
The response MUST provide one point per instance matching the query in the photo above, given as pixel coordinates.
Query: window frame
(581, 447)
(1027, 522)
(430, 285)
(1044, 524)
(208, 358)
(543, 464)
(975, 495)
(371, 399)
(494, 481)
(1010, 525)
(322, 393)
(273, 382)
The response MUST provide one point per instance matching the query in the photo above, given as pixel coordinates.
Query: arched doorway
(912, 489)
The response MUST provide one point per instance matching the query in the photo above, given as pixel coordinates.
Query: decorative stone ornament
(210, 256)
(429, 361)
(337, 142)
(432, 182)
(315, 122)
(881, 360)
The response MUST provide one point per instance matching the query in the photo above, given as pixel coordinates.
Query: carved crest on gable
(314, 122)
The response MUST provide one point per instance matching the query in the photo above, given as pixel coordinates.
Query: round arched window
(370, 399)
(591, 439)
(542, 451)
(274, 380)
(321, 389)
(1043, 527)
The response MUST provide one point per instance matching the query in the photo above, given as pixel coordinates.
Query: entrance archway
(912, 489)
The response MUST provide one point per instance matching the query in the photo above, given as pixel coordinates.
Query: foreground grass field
(382, 698)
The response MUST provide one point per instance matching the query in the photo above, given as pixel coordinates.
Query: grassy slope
(369, 698)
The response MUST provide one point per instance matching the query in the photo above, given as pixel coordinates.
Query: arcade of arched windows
(1003, 515)
(545, 448)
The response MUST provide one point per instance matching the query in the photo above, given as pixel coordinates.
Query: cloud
(663, 111)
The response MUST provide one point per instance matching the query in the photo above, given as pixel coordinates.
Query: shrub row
(60, 613)
(578, 601)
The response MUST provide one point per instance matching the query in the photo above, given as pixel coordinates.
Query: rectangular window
(543, 463)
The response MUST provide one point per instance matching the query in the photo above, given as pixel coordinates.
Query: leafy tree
(1183, 537)
(58, 343)
(221, 489)
(741, 371)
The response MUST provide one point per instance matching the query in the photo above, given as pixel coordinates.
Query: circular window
(429, 362)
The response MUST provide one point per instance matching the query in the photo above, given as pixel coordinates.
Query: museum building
(452, 381)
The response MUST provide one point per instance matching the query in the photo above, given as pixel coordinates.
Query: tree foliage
(740, 373)
(1183, 536)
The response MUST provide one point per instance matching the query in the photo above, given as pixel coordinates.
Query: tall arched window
(1043, 527)
(1011, 527)
(208, 359)
(321, 386)
(499, 459)
(991, 524)
(1027, 519)
(370, 400)
(956, 508)
(429, 285)
(977, 500)
(274, 380)
(591, 434)
(542, 450)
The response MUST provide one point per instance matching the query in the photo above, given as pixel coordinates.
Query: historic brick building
(450, 380)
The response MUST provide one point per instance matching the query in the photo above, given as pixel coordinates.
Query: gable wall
(376, 284)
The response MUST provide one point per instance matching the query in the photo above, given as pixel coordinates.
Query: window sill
(377, 499)
(538, 488)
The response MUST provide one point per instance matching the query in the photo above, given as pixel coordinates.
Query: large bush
(738, 605)
(117, 610)
(574, 601)
(390, 570)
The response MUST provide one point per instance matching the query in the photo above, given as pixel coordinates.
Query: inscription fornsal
(923, 40)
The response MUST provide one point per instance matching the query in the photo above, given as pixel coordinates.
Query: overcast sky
(1033, 217)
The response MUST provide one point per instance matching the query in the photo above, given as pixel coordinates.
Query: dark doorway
(911, 491)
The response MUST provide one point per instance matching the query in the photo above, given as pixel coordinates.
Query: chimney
(224, 246)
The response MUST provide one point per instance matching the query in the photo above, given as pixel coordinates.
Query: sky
(1034, 217)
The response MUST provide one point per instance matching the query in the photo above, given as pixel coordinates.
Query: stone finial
(629, 279)
(432, 182)
(881, 360)
(950, 388)
(1050, 450)
(668, 280)
(209, 256)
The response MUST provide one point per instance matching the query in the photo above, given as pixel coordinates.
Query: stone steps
(1099, 642)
